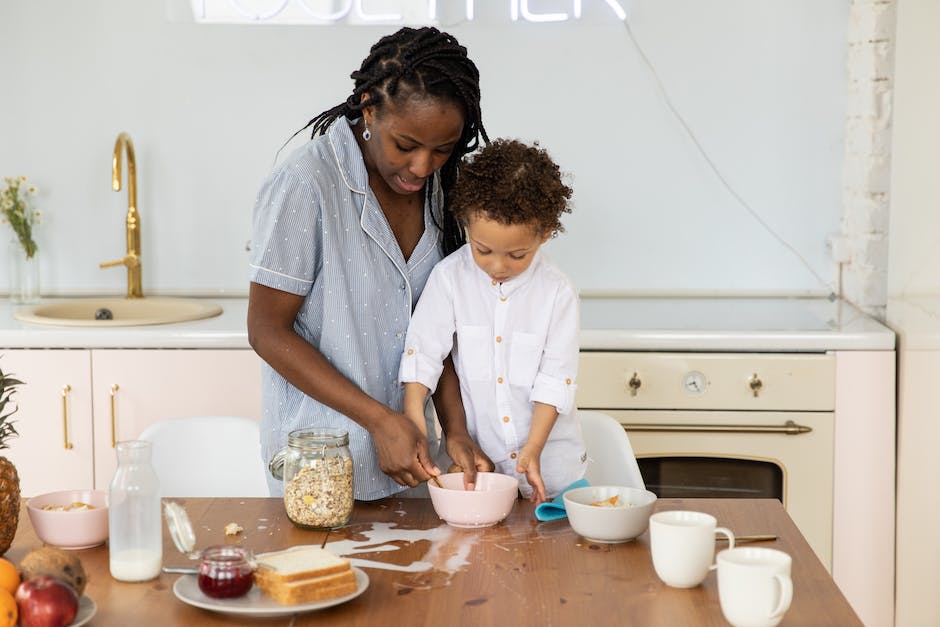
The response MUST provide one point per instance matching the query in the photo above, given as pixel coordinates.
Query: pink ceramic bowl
(71, 529)
(489, 503)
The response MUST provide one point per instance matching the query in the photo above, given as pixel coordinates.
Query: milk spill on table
(449, 551)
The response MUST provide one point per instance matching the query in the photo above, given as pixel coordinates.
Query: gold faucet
(132, 259)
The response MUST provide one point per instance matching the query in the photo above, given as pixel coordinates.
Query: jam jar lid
(180, 528)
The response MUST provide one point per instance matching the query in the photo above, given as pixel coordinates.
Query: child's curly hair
(512, 183)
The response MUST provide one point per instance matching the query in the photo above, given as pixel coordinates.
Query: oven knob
(755, 384)
(634, 384)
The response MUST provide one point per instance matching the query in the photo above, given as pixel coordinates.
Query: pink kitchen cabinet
(76, 403)
(55, 448)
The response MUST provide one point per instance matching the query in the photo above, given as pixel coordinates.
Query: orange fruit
(8, 610)
(9, 576)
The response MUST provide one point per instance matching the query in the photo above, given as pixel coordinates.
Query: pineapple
(9, 480)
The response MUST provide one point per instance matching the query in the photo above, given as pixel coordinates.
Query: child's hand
(529, 464)
(468, 457)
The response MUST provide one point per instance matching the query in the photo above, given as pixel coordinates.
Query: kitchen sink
(118, 312)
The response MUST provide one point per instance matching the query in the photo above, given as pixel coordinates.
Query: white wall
(914, 254)
(762, 84)
(914, 307)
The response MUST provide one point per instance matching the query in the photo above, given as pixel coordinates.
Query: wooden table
(520, 572)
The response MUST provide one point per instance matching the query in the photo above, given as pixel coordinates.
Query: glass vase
(24, 275)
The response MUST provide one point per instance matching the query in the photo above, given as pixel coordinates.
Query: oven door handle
(787, 428)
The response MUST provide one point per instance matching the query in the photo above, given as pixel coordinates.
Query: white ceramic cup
(683, 546)
(754, 586)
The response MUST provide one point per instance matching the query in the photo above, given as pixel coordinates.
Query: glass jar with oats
(318, 478)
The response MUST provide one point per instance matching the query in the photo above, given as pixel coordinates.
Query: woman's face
(503, 251)
(410, 141)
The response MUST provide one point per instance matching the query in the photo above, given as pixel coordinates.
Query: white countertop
(916, 319)
(669, 324)
(729, 324)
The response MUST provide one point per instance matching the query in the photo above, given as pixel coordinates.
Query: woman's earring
(367, 134)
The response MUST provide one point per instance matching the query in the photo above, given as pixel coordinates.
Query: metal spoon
(757, 538)
(180, 570)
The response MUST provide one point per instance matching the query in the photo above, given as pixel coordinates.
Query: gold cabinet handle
(65, 414)
(114, 389)
(634, 384)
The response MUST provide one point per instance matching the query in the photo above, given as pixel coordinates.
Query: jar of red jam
(225, 572)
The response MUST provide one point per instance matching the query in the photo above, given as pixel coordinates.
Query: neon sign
(414, 12)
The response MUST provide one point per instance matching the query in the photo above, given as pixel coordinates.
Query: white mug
(683, 546)
(754, 586)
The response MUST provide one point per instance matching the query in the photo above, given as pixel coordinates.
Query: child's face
(503, 251)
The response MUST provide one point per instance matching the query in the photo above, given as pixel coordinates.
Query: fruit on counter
(9, 576)
(8, 610)
(57, 563)
(45, 601)
(9, 479)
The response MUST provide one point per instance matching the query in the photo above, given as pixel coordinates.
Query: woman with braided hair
(346, 232)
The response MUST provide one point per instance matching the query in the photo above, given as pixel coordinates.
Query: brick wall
(863, 243)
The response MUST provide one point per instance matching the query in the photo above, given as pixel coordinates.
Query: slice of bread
(298, 564)
(303, 575)
(307, 590)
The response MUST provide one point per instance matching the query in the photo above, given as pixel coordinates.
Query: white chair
(207, 456)
(610, 456)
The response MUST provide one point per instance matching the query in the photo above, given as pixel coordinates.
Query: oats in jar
(320, 495)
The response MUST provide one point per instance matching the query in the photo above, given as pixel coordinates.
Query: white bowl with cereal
(70, 519)
(609, 514)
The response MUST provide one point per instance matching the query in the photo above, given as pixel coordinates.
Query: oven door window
(711, 477)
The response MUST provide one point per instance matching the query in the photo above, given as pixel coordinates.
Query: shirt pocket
(474, 352)
(524, 358)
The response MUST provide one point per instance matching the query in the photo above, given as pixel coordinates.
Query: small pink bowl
(489, 503)
(73, 529)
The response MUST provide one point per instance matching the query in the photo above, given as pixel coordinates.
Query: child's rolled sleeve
(554, 391)
(417, 367)
(555, 382)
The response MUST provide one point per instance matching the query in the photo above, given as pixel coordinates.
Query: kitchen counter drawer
(714, 381)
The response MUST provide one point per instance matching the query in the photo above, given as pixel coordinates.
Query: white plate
(86, 609)
(255, 603)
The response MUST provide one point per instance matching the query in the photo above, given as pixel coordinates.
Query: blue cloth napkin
(555, 509)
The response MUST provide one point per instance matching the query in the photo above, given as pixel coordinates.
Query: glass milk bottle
(135, 536)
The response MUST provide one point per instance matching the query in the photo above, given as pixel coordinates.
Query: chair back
(610, 456)
(207, 456)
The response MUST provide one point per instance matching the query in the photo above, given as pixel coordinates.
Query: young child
(509, 318)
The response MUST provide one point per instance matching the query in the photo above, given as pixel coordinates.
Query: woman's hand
(469, 457)
(401, 447)
(529, 464)
(403, 450)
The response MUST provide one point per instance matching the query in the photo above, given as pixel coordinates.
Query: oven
(726, 425)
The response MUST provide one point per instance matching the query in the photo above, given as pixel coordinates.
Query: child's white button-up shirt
(513, 344)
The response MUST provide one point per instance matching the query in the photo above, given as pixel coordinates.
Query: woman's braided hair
(423, 61)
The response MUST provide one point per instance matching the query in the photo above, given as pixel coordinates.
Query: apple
(45, 601)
